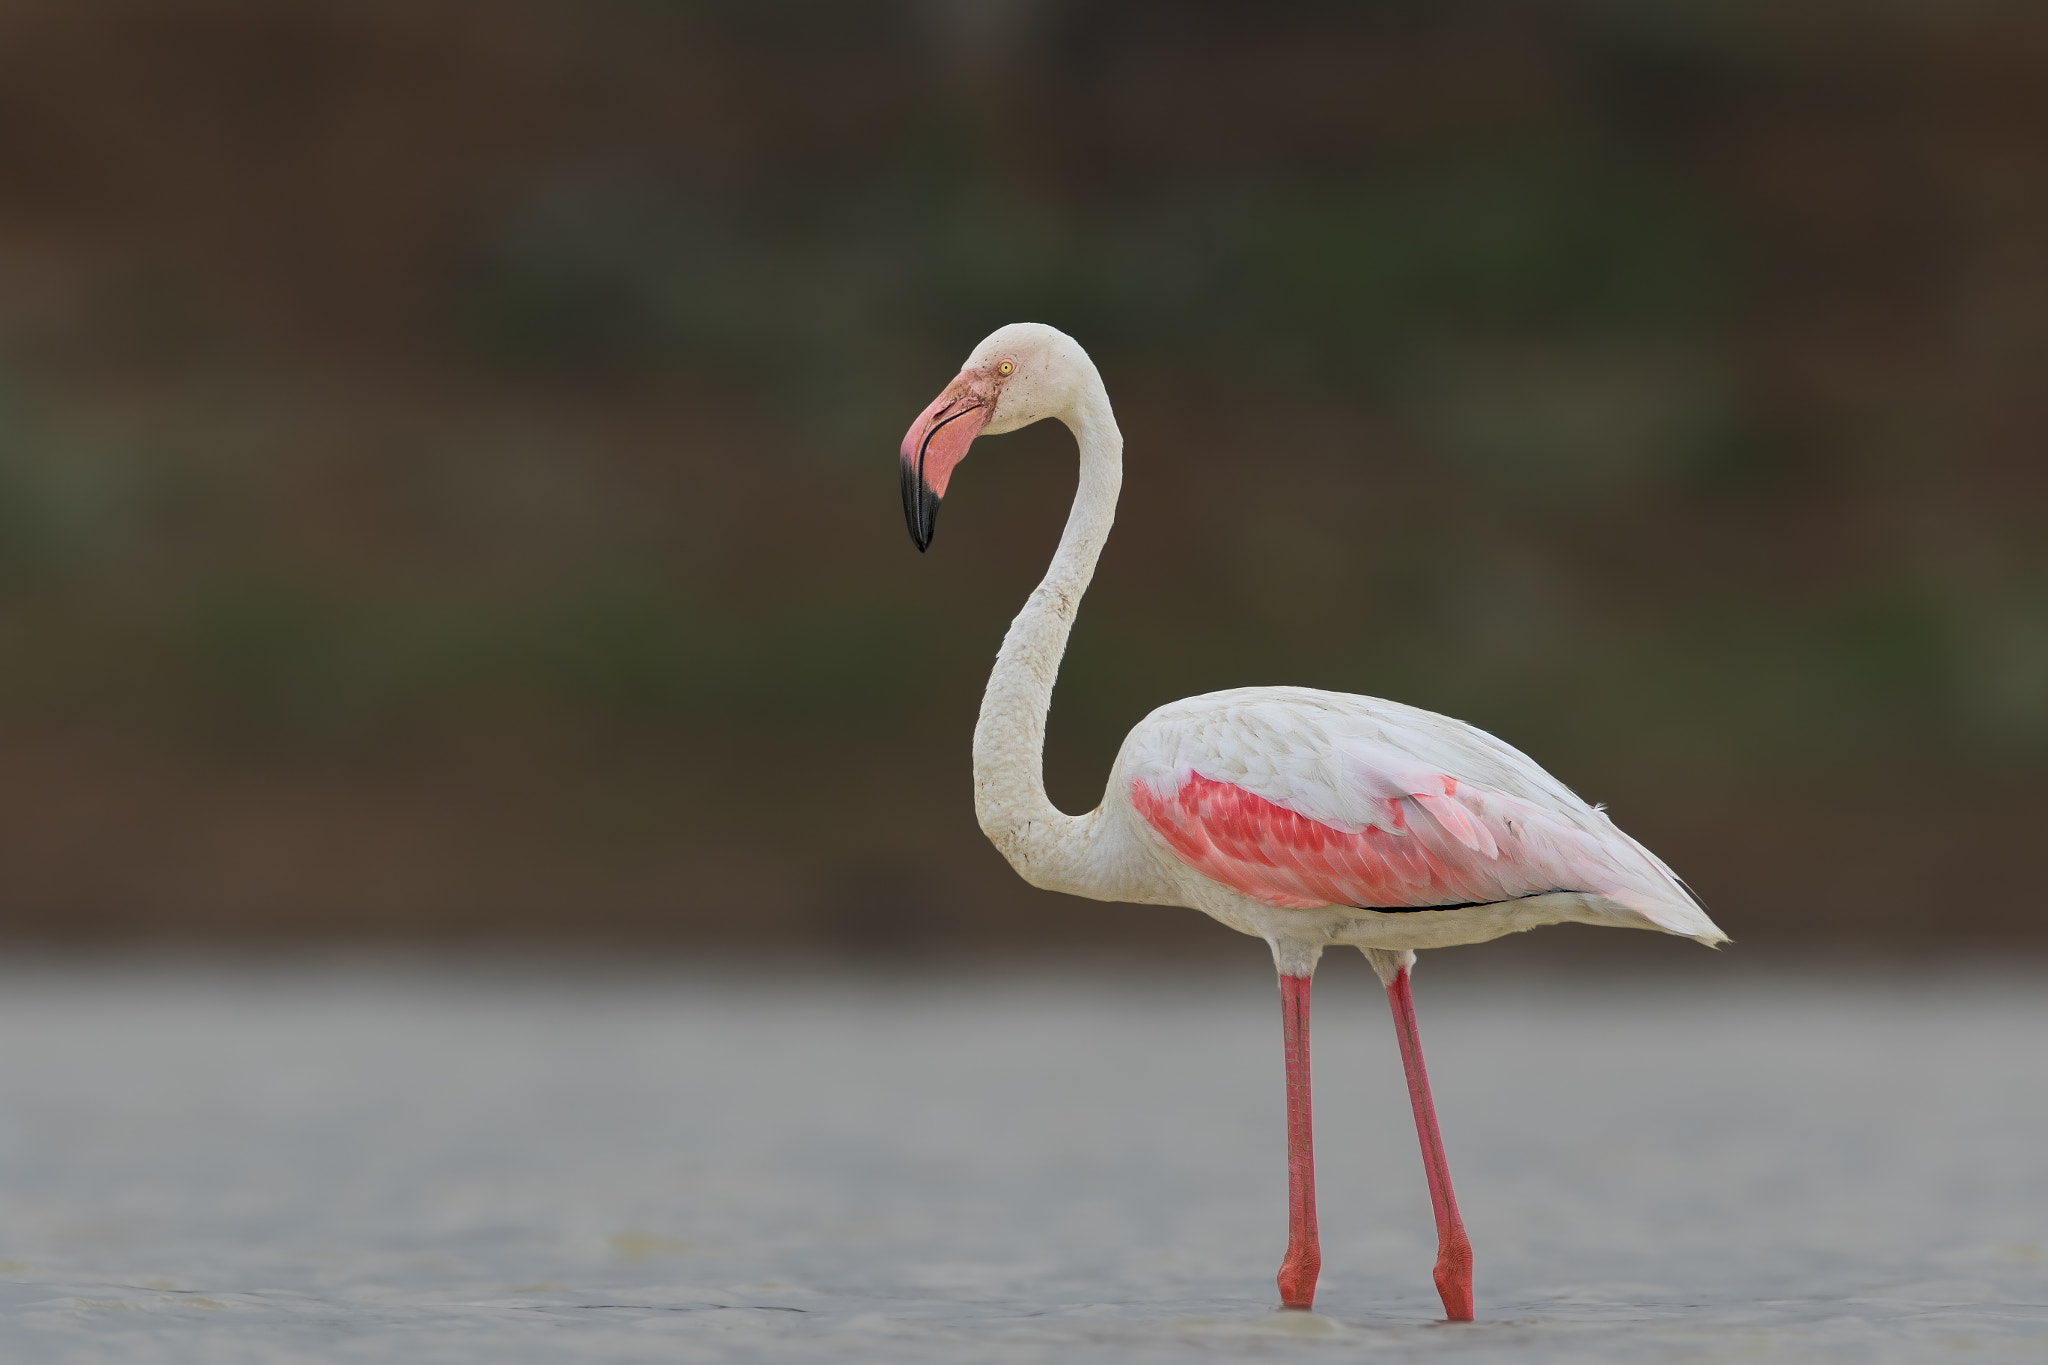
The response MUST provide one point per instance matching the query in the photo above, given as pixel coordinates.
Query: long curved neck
(1049, 848)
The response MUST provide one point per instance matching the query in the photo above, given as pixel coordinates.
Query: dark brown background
(447, 449)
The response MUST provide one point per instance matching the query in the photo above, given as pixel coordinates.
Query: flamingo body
(1404, 828)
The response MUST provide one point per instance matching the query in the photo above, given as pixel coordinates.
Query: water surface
(292, 1163)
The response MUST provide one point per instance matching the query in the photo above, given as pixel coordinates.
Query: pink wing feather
(1300, 799)
(1433, 848)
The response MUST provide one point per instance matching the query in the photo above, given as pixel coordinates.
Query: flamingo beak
(936, 442)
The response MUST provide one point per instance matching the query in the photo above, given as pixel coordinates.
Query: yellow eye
(1005, 367)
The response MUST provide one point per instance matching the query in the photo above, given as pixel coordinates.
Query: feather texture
(1299, 799)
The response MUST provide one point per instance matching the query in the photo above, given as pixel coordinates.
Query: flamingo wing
(1299, 799)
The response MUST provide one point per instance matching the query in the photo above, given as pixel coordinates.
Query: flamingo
(1303, 817)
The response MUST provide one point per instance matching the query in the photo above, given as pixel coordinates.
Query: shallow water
(277, 1164)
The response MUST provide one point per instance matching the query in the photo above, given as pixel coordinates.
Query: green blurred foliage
(496, 405)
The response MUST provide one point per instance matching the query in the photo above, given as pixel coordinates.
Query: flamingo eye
(1005, 367)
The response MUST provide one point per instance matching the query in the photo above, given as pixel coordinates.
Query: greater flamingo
(1303, 817)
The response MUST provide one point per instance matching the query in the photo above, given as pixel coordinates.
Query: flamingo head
(1018, 375)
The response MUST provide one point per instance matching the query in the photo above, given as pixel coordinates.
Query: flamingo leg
(1304, 1252)
(1453, 1249)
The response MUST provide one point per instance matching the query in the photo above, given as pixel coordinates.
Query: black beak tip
(920, 508)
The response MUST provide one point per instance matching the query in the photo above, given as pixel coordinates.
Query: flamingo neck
(1047, 847)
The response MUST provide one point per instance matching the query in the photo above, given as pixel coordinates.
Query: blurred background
(447, 450)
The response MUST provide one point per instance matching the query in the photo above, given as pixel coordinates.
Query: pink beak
(937, 441)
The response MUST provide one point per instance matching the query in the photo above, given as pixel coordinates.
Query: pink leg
(1453, 1251)
(1304, 1254)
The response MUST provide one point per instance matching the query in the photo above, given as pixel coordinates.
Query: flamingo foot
(1454, 1277)
(1298, 1275)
